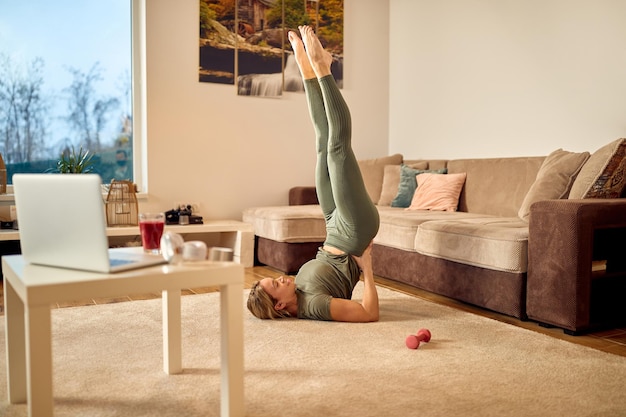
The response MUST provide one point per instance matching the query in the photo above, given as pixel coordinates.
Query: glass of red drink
(151, 228)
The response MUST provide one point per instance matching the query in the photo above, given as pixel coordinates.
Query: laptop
(62, 223)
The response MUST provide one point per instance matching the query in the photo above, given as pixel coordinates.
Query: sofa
(538, 237)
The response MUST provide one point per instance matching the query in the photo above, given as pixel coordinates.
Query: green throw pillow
(408, 184)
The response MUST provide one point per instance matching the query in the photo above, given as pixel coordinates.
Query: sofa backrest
(495, 186)
(428, 163)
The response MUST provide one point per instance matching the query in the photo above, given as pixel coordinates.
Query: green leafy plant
(75, 163)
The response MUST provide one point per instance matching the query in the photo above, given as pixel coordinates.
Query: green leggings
(351, 218)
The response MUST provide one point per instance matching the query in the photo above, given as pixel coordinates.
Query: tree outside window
(65, 85)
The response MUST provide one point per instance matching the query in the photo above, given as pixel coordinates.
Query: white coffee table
(30, 290)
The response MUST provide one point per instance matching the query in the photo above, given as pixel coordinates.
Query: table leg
(16, 350)
(231, 328)
(244, 248)
(39, 361)
(172, 343)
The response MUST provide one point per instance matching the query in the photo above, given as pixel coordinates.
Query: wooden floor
(612, 341)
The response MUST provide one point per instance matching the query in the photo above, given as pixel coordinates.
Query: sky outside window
(73, 37)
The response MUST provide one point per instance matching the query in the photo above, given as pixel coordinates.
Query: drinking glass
(151, 228)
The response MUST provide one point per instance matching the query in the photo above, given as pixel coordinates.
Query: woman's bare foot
(320, 59)
(306, 70)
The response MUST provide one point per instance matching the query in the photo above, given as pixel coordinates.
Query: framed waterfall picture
(244, 42)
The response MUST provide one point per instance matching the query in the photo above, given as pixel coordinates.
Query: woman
(323, 286)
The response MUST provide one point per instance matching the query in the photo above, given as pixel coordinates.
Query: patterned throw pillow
(603, 175)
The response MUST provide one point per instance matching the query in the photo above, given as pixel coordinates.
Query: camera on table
(182, 215)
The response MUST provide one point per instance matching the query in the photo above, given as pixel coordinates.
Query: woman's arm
(367, 309)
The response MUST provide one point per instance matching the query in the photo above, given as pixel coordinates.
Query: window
(70, 80)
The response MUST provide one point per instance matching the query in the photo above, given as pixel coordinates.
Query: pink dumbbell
(413, 341)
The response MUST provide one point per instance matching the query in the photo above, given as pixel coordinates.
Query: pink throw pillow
(437, 192)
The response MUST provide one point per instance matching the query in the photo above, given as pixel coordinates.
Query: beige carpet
(108, 362)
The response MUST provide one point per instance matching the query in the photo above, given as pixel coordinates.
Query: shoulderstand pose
(323, 286)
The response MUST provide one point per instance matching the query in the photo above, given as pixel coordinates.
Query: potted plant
(75, 163)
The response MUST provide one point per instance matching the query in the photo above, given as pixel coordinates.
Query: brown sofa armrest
(302, 195)
(565, 236)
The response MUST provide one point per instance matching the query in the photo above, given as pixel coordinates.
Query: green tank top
(321, 279)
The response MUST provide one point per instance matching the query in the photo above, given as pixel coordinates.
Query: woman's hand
(365, 260)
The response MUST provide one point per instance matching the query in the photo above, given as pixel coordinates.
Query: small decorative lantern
(121, 205)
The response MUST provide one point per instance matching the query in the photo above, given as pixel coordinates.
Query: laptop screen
(61, 220)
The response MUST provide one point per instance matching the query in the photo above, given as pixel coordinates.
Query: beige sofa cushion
(554, 179)
(373, 171)
(398, 226)
(604, 174)
(432, 163)
(287, 223)
(494, 243)
(495, 186)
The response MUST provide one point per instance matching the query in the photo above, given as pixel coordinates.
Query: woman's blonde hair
(261, 304)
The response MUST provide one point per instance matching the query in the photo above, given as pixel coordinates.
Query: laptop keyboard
(118, 262)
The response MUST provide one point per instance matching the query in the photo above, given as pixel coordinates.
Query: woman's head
(269, 298)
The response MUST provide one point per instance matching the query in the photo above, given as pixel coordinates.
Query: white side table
(30, 290)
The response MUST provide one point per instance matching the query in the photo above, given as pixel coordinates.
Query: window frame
(139, 95)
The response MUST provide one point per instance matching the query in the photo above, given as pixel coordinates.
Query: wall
(436, 79)
(490, 78)
(207, 145)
